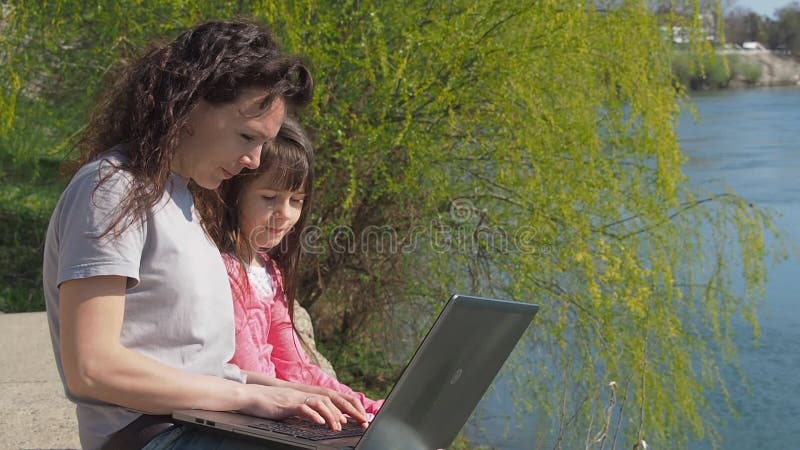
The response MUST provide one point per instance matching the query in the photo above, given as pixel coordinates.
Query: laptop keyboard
(307, 429)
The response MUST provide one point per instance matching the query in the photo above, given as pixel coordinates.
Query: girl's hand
(281, 402)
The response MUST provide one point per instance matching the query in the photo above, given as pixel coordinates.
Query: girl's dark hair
(289, 159)
(152, 97)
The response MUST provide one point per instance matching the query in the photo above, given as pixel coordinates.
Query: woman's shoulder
(107, 169)
(102, 183)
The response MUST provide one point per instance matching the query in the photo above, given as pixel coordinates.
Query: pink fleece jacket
(266, 342)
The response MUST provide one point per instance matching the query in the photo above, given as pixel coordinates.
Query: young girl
(261, 214)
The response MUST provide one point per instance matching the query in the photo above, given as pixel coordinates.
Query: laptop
(436, 393)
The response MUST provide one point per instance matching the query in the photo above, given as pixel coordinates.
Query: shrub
(744, 69)
(708, 72)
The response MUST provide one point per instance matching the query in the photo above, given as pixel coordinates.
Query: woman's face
(267, 214)
(222, 139)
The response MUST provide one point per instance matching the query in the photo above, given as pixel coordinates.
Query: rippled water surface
(748, 141)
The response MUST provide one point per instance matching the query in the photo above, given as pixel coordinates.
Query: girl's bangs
(287, 166)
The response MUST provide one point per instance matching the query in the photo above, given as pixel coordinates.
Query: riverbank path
(34, 414)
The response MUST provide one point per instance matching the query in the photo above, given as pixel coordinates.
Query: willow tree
(515, 149)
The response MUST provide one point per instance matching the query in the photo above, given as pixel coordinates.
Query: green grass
(28, 194)
(360, 367)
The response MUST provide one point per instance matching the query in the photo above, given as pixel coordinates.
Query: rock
(304, 327)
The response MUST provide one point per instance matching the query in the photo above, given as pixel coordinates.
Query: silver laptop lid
(449, 373)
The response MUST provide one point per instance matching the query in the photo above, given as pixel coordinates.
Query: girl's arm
(96, 365)
(292, 363)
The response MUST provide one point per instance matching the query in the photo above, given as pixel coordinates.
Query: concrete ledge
(34, 414)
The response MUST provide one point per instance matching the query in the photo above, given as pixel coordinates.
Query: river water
(748, 141)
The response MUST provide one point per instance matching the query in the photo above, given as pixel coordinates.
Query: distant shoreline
(777, 68)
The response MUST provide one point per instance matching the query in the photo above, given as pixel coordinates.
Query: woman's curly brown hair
(150, 100)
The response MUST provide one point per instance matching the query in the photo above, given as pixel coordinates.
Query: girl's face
(267, 214)
(221, 140)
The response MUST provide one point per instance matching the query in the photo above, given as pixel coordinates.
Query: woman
(137, 296)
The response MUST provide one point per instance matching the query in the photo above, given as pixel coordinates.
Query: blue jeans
(189, 438)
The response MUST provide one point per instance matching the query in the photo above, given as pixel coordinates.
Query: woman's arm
(96, 365)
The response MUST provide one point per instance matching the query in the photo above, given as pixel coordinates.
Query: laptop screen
(449, 373)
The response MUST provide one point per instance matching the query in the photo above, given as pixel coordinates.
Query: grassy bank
(734, 69)
(27, 197)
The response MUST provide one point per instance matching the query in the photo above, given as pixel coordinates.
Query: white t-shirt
(259, 277)
(178, 307)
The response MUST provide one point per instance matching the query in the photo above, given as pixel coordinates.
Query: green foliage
(24, 213)
(711, 72)
(748, 71)
(743, 25)
(518, 149)
(785, 32)
(780, 33)
(362, 367)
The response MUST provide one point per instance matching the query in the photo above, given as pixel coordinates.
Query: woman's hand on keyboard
(348, 404)
(280, 402)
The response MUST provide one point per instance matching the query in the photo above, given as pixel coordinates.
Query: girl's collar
(272, 267)
(265, 258)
